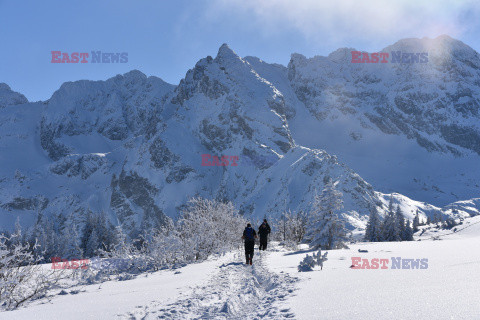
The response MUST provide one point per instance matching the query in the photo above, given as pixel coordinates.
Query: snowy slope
(446, 290)
(113, 299)
(224, 288)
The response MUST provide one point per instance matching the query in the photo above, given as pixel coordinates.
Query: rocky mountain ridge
(132, 146)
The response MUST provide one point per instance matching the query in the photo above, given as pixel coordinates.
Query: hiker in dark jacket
(264, 231)
(249, 236)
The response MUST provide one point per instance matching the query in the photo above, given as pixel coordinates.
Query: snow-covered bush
(208, 226)
(309, 262)
(205, 227)
(21, 278)
(165, 246)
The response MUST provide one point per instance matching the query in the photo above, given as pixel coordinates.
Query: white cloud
(340, 21)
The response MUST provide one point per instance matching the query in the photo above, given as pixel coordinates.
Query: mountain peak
(451, 43)
(225, 53)
(341, 55)
(4, 87)
(135, 74)
(9, 97)
(445, 37)
(442, 45)
(297, 57)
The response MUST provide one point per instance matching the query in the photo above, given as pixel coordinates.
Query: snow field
(448, 289)
(114, 299)
(226, 288)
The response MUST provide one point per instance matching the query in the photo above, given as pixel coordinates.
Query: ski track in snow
(235, 291)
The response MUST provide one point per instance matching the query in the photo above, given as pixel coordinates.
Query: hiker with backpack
(264, 231)
(249, 236)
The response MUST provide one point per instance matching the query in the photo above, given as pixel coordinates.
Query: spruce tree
(43, 239)
(93, 244)
(400, 222)
(120, 241)
(390, 226)
(416, 222)
(87, 231)
(429, 220)
(373, 232)
(105, 231)
(408, 235)
(18, 237)
(325, 229)
(71, 248)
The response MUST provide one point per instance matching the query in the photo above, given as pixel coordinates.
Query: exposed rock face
(436, 103)
(82, 166)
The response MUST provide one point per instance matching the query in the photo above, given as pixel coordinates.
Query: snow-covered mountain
(8, 97)
(412, 128)
(132, 146)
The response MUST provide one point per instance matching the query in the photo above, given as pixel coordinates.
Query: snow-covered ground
(225, 288)
(448, 289)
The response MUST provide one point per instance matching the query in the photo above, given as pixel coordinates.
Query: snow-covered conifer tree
(408, 233)
(105, 231)
(429, 220)
(325, 229)
(70, 241)
(373, 232)
(435, 219)
(44, 235)
(400, 222)
(390, 226)
(93, 244)
(416, 222)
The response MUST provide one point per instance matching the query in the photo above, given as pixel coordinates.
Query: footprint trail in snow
(235, 291)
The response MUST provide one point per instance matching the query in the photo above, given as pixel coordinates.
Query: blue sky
(166, 38)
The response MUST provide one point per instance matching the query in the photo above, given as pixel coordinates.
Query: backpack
(248, 234)
(263, 229)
